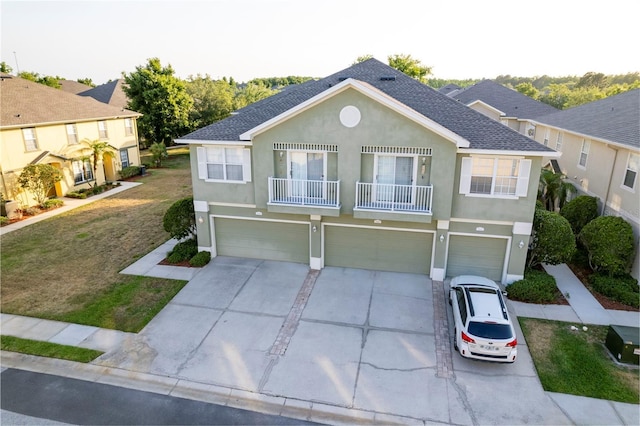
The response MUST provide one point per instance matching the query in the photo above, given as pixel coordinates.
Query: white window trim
(559, 142)
(128, 130)
(34, 139)
(547, 134)
(74, 134)
(587, 143)
(89, 170)
(624, 175)
(203, 174)
(324, 161)
(522, 184)
(102, 127)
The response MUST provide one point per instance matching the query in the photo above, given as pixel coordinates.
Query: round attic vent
(350, 116)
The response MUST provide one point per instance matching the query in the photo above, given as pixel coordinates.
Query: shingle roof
(449, 88)
(616, 118)
(25, 103)
(482, 132)
(71, 86)
(510, 102)
(109, 93)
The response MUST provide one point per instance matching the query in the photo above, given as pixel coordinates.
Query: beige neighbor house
(600, 145)
(367, 168)
(40, 124)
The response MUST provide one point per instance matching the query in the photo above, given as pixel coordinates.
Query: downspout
(613, 166)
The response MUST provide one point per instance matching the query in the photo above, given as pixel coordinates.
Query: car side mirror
(504, 293)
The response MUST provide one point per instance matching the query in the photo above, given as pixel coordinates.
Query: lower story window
(124, 158)
(82, 171)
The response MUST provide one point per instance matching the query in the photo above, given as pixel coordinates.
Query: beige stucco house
(600, 145)
(40, 124)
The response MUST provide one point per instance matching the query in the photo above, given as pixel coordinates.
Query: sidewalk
(69, 204)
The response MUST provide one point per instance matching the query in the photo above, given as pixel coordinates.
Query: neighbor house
(109, 93)
(40, 124)
(499, 103)
(367, 168)
(600, 145)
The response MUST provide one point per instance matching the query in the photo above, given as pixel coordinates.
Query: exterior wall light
(442, 238)
(200, 219)
(521, 244)
(314, 228)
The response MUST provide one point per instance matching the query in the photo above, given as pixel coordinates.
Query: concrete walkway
(69, 204)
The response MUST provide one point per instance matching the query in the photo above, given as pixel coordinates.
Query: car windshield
(490, 330)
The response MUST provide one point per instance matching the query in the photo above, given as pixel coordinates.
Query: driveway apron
(344, 337)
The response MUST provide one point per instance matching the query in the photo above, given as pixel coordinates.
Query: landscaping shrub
(77, 194)
(182, 251)
(3, 220)
(30, 211)
(623, 289)
(609, 242)
(580, 211)
(552, 240)
(53, 203)
(200, 259)
(158, 152)
(180, 219)
(130, 171)
(536, 287)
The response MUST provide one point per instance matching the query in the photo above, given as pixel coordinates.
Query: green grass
(576, 362)
(47, 349)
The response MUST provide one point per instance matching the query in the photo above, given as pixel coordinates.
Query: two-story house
(600, 145)
(367, 168)
(40, 124)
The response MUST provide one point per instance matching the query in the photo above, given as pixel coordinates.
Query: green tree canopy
(552, 240)
(553, 190)
(47, 80)
(162, 98)
(410, 66)
(528, 89)
(362, 58)
(39, 179)
(96, 150)
(212, 100)
(609, 242)
(4, 67)
(251, 93)
(86, 81)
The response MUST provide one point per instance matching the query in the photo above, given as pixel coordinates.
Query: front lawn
(67, 267)
(576, 361)
(47, 349)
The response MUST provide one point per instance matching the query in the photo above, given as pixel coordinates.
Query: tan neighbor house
(40, 124)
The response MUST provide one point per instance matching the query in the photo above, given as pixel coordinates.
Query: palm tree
(554, 188)
(98, 148)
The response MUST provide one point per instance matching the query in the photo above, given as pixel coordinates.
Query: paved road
(79, 402)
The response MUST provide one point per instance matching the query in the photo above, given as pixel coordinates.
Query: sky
(247, 39)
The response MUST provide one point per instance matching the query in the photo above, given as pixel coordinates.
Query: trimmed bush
(623, 289)
(536, 287)
(200, 259)
(130, 171)
(609, 242)
(552, 240)
(183, 251)
(3, 220)
(180, 219)
(580, 211)
(76, 194)
(53, 203)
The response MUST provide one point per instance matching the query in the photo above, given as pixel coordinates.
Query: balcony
(390, 198)
(316, 195)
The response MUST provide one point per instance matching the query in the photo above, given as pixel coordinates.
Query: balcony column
(440, 252)
(315, 261)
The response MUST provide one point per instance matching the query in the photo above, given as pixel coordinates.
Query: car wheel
(455, 339)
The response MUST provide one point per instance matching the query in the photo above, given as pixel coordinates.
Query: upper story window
(630, 175)
(72, 134)
(128, 126)
(30, 141)
(584, 153)
(82, 171)
(102, 129)
(559, 142)
(224, 163)
(497, 177)
(546, 138)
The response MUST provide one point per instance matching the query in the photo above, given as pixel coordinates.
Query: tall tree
(362, 58)
(96, 150)
(251, 93)
(410, 66)
(87, 81)
(212, 100)
(4, 67)
(553, 188)
(162, 98)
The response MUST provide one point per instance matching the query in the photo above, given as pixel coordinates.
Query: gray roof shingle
(109, 93)
(510, 102)
(616, 118)
(482, 132)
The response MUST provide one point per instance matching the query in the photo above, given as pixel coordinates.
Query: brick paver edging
(444, 359)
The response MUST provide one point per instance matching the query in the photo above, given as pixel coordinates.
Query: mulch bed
(607, 303)
(184, 263)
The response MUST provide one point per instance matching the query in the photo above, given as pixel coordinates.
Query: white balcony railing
(397, 198)
(300, 192)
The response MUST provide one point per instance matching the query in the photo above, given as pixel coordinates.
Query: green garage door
(261, 239)
(378, 249)
(476, 256)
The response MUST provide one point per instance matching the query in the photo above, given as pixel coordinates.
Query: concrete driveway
(375, 341)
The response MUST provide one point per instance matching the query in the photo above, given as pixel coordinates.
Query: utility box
(622, 342)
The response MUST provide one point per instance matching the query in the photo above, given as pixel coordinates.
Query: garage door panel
(378, 249)
(476, 256)
(262, 239)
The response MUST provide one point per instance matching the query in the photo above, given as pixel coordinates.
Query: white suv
(483, 329)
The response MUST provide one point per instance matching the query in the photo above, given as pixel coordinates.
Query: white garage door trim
(214, 250)
(505, 263)
(385, 228)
